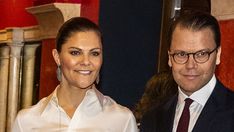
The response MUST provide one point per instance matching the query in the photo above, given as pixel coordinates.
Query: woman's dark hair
(158, 90)
(73, 25)
(196, 21)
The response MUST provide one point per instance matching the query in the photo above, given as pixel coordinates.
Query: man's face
(192, 76)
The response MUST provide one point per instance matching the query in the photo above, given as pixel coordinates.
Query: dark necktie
(184, 119)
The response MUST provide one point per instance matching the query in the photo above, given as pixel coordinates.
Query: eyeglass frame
(194, 53)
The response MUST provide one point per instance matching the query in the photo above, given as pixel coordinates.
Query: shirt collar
(201, 96)
(92, 97)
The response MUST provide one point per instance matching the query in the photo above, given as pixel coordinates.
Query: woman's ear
(56, 56)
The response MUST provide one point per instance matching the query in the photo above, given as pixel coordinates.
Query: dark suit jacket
(216, 116)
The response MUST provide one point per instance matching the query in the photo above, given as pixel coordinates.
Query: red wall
(13, 13)
(225, 71)
(48, 80)
(42, 2)
(90, 9)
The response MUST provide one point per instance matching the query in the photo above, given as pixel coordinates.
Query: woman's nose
(85, 60)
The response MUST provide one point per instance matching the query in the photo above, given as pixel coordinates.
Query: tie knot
(188, 102)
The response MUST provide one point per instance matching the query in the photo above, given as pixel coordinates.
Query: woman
(76, 105)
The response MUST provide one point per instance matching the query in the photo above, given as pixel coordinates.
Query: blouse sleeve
(16, 125)
(131, 125)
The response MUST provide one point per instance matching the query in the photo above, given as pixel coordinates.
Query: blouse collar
(91, 104)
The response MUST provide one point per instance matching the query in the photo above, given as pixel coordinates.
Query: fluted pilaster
(15, 43)
(28, 74)
(4, 64)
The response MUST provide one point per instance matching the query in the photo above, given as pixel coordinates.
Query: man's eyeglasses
(181, 57)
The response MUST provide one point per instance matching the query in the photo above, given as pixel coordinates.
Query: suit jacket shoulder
(218, 113)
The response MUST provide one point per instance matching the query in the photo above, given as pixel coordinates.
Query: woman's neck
(69, 98)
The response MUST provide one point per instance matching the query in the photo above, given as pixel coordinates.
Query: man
(193, 55)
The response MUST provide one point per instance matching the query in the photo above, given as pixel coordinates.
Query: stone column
(15, 43)
(4, 64)
(28, 74)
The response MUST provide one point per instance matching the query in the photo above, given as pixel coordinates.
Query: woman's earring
(59, 73)
(97, 79)
(97, 82)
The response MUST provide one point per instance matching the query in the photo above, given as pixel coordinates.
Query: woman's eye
(95, 53)
(75, 53)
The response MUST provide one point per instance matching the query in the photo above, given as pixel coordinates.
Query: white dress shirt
(96, 113)
(199, 98)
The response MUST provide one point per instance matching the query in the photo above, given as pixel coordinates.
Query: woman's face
(80, 59)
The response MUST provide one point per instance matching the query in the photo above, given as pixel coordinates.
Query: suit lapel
(208, 113)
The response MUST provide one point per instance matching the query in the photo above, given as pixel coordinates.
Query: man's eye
(181, 54)
(201, 54)
(95, 53)
(75, 53)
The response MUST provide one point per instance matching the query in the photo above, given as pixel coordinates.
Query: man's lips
(191, 77)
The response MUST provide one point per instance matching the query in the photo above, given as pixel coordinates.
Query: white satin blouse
(96, 113)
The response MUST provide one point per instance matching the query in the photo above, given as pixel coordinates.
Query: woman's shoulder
(33, 110)
(111, 105)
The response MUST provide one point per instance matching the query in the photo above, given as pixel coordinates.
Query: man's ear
(218, 56)
(169, 59)
(56, 56)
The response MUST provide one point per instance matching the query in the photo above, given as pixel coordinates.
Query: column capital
(12, 36)
(31, 49)
(51, 16)
(4, 51)
(16, 34)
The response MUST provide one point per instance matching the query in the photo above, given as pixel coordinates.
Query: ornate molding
(11, 35)
(222, 9)
(25, 34)
(32, 33)
(51, 16)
